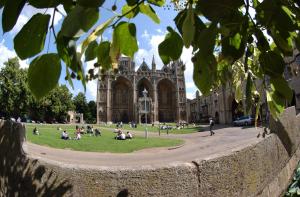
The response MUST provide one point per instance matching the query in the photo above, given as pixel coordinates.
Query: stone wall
(262, 169)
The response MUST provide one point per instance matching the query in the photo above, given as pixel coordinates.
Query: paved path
(197, 146)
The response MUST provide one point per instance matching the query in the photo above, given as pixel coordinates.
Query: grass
(50, 136)
(190, 129)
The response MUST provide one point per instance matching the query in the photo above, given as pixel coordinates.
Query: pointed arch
(166, 94)
(122, 100)
(142, 84)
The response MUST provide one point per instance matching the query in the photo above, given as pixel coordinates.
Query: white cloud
(29, 11)
(6, 53)
(159, 31)
(189, 85)
(152, 41)
(91, 86)
(145, 35)
(190, 95)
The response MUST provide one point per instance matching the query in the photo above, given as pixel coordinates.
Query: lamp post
(145, 92)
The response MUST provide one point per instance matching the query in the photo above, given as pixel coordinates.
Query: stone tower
(120, 97)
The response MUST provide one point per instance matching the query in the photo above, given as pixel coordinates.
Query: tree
(220, 32)
(14, 92)
(88, 109)
(90, 117)
(80, 103)
(53, 107)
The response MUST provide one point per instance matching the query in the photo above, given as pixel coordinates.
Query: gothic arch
(166, 94)
(122, 100)
(144, 83)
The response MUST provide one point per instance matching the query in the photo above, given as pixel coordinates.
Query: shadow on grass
(20, 176)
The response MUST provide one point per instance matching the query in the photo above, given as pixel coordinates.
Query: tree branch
(121, 16)
(52, 23)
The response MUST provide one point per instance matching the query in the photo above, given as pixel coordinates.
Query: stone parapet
(261, 169)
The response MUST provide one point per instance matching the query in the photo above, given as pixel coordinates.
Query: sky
(149, 35)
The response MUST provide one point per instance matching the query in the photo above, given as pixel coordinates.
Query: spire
(153, 60)
(153, 64)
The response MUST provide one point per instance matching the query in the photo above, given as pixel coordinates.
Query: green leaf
(262, 43)
(90, 3)
(68, 5)
(204, 74)
(62, 46)
(149, 11)
(103, 55)
(276, 103)
(284, 45)
(90, 52)
(131, 2)
(272, 63)
(98, 31)
(282, 87)
(31, 39)
(2, 3)
(216, 10)
(44, 4)
(233, 47)
(131, 11)
(114, 51)
(69, 77)
(179, 20)
(43, 74)
(171, 48)
(10, 14)
(207, 39)
(188, 28)
(157, 2)
(78, 21)
(238, 91)
(124, 38)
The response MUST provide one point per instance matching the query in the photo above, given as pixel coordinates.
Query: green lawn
(50, 136)
(141, 127)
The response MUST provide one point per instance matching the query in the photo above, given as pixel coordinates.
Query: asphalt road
(197, 146)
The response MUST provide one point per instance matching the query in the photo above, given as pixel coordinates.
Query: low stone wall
(262, 169)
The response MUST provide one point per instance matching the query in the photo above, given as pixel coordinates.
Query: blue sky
(149, 35)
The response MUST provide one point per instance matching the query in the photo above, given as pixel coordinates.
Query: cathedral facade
(145, 95)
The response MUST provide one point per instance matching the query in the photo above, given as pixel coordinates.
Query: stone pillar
(177, 101)
(97, 101)
(108, 101)
(134, 100)
(155, 103)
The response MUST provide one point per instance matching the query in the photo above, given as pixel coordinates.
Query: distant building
(120, 97)
(74, 117)
(221, 105)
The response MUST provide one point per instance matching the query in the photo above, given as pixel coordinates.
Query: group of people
(121, 135)
(65, 135)
(79, 131)
(132, 125)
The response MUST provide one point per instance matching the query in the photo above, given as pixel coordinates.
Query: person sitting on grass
(129, 135)
(97, 132)
(35, 131)
(78, 135)
(65, 135)
(120, 136)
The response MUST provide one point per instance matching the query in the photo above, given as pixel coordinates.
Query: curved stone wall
(262, 169)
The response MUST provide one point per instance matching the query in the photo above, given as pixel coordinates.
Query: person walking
(211, 124)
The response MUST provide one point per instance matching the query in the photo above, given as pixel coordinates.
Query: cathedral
(145, 95)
